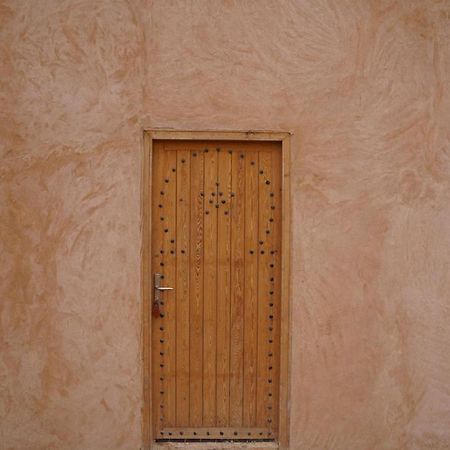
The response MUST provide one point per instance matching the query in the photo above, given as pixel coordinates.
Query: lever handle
(157, 294)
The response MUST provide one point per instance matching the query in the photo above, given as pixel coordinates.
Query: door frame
(150, 135)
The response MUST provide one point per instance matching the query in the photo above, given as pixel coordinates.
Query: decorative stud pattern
(262, 250)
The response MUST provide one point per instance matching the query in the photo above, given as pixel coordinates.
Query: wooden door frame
(150, 135)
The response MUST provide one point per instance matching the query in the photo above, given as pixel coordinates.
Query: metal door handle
(158, 293)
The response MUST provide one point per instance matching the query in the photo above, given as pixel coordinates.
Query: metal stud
(267, 182)
(162, 192)
(166, 180)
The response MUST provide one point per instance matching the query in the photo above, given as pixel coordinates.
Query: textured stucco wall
(364, 87)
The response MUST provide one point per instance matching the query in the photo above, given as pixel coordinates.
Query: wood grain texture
(210, 287)
(214, 361)
(182, 286)
(224, 288)
(197, 290)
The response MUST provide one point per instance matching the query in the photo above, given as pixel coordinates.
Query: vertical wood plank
(182, 287)
(196, 291)
(275, 286)
(223, 288)
(156, 257)
(251, 289)
(168, 269)
(265, 351)
(210, 287)
(237, 291)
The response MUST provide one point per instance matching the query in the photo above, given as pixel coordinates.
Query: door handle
(158, 289)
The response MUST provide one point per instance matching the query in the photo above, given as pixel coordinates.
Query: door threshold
(236, 445)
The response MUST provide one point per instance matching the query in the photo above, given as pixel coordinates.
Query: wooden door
(216, 240)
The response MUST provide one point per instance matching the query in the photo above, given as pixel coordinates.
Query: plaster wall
(364, 87)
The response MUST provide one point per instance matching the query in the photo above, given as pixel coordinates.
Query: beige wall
(364, 87)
